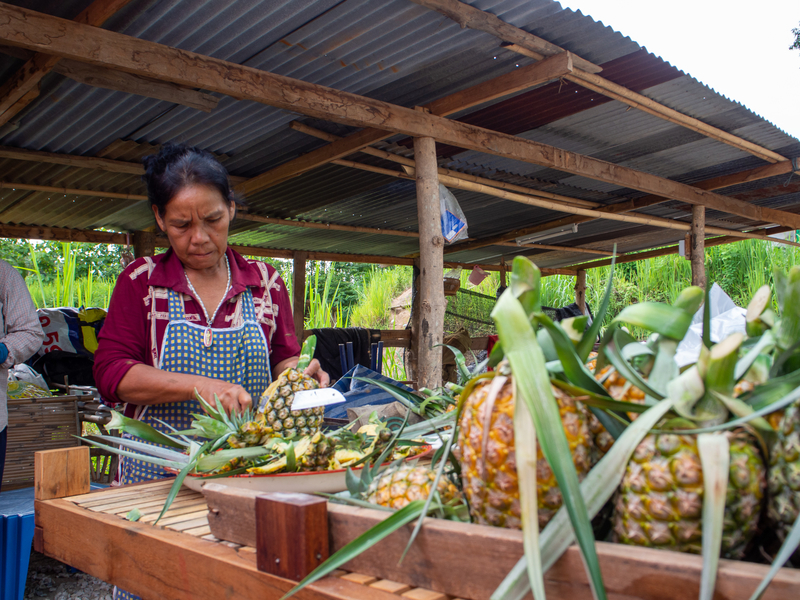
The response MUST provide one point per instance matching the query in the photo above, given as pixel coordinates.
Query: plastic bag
(23, 373)
(726, 318)
(454, 223)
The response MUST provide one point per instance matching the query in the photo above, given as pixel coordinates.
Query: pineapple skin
(396, 487)
(784, 472)
(660, 500)
(490, 482)
(276, 406)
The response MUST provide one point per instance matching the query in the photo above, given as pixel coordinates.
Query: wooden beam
(714, 183)
(428, 337)
(408, 162)
(328, 226)
(23, 87)
(144, 243)
(58, 234)
(36, 31)
(70, 160)
(672, 249)
(606, 213)
(119, 81)
(474, 18)
(698, 237)
(529, 45)
(70, 191)
(515, 81)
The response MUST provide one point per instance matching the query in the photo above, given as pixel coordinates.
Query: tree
(796, 34)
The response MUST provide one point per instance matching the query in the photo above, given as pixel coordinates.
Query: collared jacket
(20, 330)
(139, 312)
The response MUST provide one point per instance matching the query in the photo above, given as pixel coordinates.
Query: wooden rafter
(325, 226)
(709, 184)
(70, 160)
(36, 31)
(529, 45)
(23, 87)
(531, 200)
(515, 81)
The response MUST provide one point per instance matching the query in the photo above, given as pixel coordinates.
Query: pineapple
(487, 457)
(784, 471)
(397, 486)
(661, 497)
(276, 402)
(320, 453)
(250, 431)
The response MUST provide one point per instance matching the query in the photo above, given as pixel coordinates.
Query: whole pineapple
(660, 501)
(488, 461)
(397, 486)
(320, 453)
(784, 471)
(276, 401)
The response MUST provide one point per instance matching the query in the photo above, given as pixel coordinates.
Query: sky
(740, 48)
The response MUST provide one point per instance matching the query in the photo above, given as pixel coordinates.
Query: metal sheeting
(402, 53)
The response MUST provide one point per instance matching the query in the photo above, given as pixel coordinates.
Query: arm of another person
(123, 369)
(23, 335)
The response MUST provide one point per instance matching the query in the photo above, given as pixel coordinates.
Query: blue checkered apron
(238, 355)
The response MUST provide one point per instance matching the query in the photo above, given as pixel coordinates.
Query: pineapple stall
(586, 463)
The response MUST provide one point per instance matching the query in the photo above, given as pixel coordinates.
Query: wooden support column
(580, 290)
(144, 244)
(698, 245)
(299, 292)
(431, 247)
(412, 363)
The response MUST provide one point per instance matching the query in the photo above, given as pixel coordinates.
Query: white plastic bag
(454, 223)
(726, 318)
(23, 372)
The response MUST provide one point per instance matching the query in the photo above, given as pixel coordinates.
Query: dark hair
(177, 166)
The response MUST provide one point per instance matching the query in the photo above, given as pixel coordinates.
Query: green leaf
(142, 430)
(525, 285)
(667, 320)
(138, 456)
(307, 352)
(461, 362)
(596, 488)
(715, 456)
(176, 487)
(594, 400)
(742, 409)
(765, 343)
(586, 344)
(533, 386)
(134, 515)
(156, 451)
(787, 549)
(707, 318)
(362, 543)
(622, 366)
(406, 398)
(211, 462)
(573, 366)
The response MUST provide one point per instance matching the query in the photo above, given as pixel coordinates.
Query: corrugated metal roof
(398, 52)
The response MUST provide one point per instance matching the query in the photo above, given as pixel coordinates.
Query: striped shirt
(20, 330)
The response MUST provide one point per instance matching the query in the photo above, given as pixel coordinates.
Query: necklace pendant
(208, 337)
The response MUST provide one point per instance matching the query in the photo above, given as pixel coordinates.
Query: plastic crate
(16, 537)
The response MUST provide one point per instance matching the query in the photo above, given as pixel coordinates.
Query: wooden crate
(37, 424)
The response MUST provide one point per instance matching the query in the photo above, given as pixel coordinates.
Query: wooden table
(180, 559)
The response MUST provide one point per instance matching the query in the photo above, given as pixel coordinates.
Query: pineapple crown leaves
(307, 353)
(143, 430)
(512, 317)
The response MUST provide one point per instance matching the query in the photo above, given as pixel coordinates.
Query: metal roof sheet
(402, 53)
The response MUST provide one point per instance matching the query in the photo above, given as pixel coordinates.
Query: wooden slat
(424, 594)
(70, 191)
(360, 578)
(327, 226)
(160, 563)
(393, 587)
(36, 31)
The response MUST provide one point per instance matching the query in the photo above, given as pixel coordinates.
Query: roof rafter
(23, 87)
(530, 45)
(36, 31)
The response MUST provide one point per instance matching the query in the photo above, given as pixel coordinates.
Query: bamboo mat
(189, 514)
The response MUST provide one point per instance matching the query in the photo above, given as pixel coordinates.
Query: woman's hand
(314, 369)
(234, 398)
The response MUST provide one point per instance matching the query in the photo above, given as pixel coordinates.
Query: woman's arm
(147, 385)
(23, 332)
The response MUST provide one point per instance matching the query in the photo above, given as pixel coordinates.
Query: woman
(199, 316)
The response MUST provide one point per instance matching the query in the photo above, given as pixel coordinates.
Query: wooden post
(144, 244)
(698, 245)
(503, 272)
(291, 534)
(431, 248)
(61, 473)
(580, 290)
(413, 352)
(299, 292)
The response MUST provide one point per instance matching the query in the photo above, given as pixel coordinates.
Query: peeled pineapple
(276, 402)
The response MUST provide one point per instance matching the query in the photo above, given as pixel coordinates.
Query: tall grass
(378, 290)
(322, 308)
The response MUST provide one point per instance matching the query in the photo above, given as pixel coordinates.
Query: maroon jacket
(128, 334)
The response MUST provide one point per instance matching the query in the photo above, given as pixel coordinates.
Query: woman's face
(196, 222)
